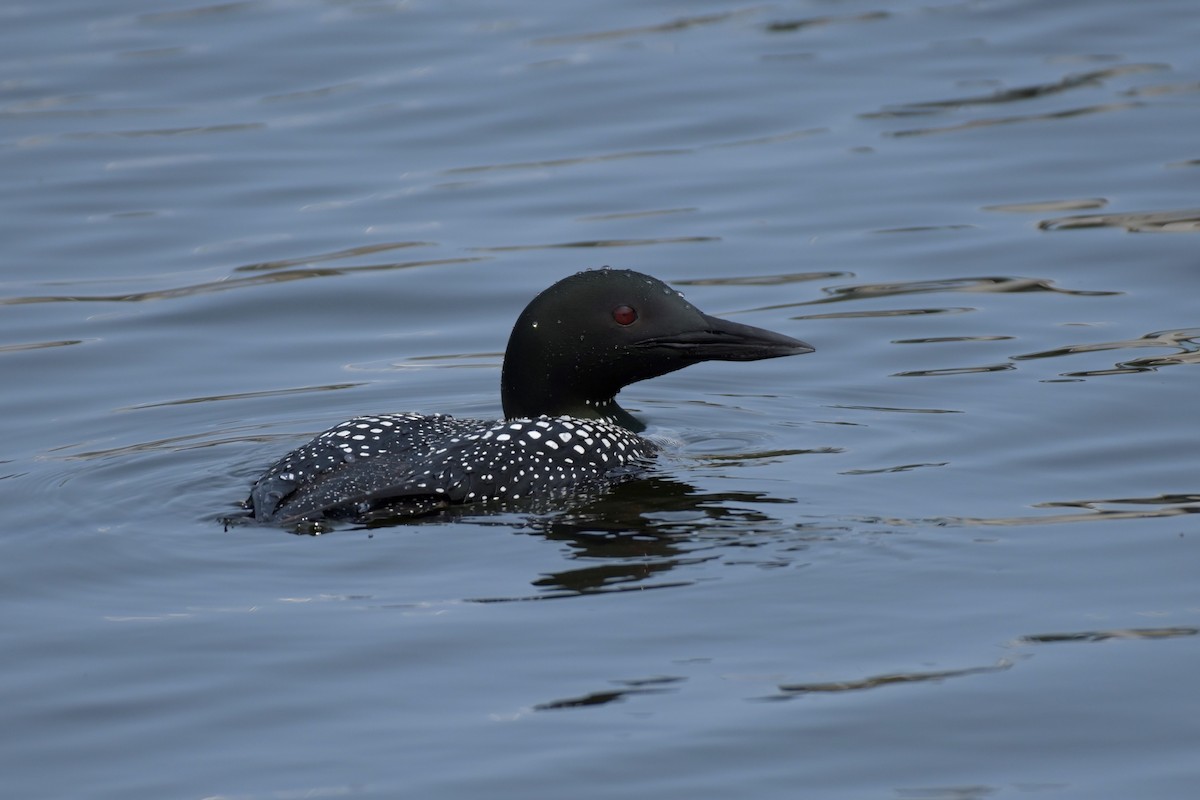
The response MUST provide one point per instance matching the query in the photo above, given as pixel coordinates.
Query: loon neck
(548, 373)
(609, 411)
(525, 400)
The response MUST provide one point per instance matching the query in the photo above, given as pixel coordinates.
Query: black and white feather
(416, 463)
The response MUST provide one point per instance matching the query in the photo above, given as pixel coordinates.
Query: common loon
(572, 349)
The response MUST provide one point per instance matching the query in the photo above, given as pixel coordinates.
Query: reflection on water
(791, 690)
(222, 9)
(656, 212)
(932, 373)
(948, 339)
(898, 468)
(1074, 81)
(1187, 87)
(598, 243)
(864, 291)
(893, 409)
(216, 398)
(885, 312)
(793, 25)
(571, 161)
(988, 122)
(1185, 342)
(1042, 206)
(671, 26)
(926, 228)
(601, 158)
(15, 348)
(1091, 79)
(636, 533)
(657, 685)
(228, 284)
(1163, 505)
(762, 280)
(1103, 636)
(337, 255)
(1182, 221)
(196, 130)
(870, 291)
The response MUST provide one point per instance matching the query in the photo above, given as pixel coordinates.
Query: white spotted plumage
(411, 460)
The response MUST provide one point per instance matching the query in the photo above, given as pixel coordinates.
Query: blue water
(948, 555)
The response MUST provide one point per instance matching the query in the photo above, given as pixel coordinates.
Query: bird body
(571, 350)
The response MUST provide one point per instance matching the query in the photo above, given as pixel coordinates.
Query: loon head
(582, 340)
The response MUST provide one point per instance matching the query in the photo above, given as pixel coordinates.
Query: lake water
(947, 556)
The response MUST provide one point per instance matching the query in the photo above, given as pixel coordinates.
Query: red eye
(624, 315)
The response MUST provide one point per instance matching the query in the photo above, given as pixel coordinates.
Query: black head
(583, 339)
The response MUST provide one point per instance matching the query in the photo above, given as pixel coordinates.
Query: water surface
(947, 555)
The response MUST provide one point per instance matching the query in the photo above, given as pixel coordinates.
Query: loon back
(572, 349)
(414, 464)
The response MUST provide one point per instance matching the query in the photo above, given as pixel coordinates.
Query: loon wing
(359, 488)
(363, 459)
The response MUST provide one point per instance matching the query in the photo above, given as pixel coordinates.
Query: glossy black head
(583, 339)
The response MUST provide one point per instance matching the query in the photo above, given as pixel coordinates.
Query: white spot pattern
(405, 459)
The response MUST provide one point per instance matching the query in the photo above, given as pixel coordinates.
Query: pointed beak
(722, 340)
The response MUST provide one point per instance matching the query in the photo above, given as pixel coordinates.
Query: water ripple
(1123, 508)
(654, 212)
(15, 348)
(1163, 88)
(208, 287)
(1018, 93)
(1042, 206)
(775, 138)
(598, 243)
(330, 387)
(167, 444)
(334, 255)
(864, 291)
(43, 109)
(191, 130)
(188, 14)
(885, 312)
(1184, 341)
(569, 161)
(988, 122)
(933, 373)
(671, 26)
(890, 679)
(1104, 636)
(898, 468)
(606, 696)
(895, 410)
(793, 690)
(793, 25)
(926, 228)
(955, 339)
(763, 280)
(1181, 221)
(572, 161)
